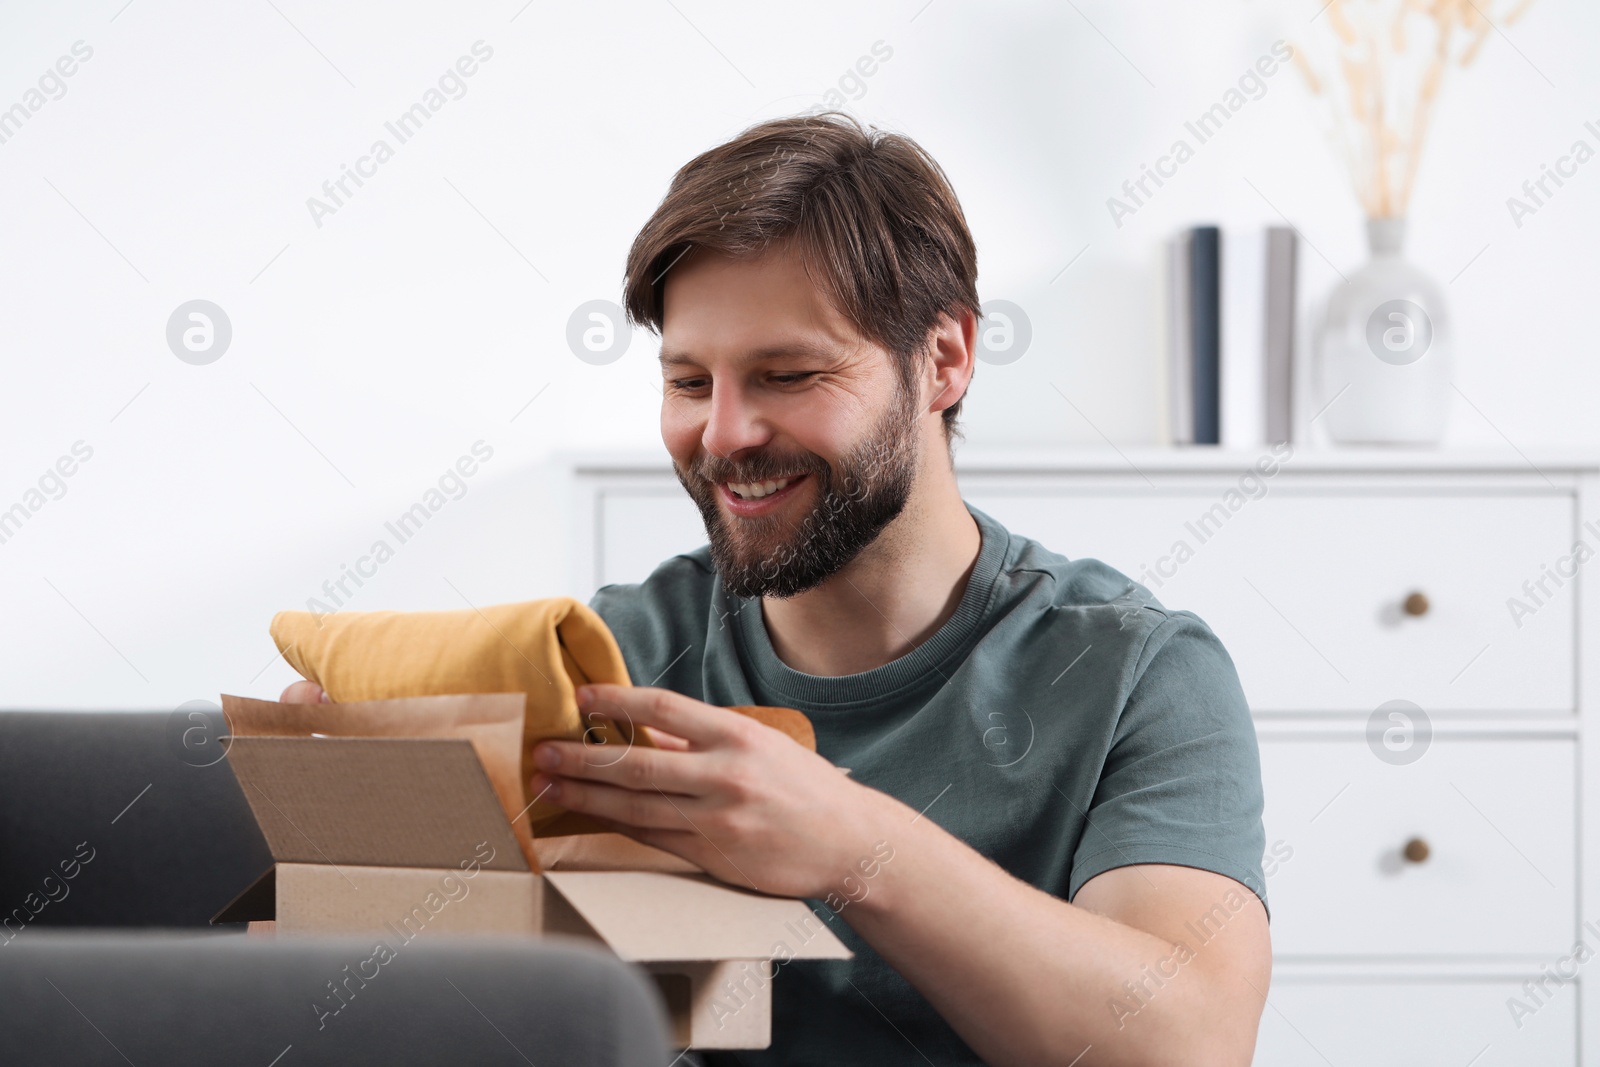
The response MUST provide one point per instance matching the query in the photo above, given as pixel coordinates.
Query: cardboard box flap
(651, 916)
(493, 722)
(380, 802)
(607, 851)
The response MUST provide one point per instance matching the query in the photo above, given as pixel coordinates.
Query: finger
(664, 740)
(702, 725)
(633, 767)
(304, 692)
(651, 810)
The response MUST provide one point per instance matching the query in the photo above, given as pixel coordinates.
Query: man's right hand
(304, 692)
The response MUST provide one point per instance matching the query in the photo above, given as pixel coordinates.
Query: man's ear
(952, 345)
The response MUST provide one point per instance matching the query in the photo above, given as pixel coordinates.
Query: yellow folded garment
(542, 648)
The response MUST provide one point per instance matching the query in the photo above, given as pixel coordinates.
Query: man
(1047, 848)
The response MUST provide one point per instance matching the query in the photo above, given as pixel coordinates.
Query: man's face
(791, 432)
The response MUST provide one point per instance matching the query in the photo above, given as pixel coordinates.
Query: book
(1205, 333)
(1231, 335)
(1278, 344)
(1244, 323)
(1180, 358)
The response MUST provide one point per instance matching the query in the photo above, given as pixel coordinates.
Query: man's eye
(687, 384)
(787, 379)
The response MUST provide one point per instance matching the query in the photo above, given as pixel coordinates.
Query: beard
(856, 497)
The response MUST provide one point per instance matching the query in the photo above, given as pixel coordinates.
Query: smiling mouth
(758, 490)
(751, 500)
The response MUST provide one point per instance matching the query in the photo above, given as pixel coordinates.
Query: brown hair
(871, 214)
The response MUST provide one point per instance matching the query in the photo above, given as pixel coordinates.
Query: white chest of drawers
(1416, 634)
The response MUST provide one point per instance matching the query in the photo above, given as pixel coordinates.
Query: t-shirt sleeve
(1181, 783)
(620, 608)
(657, 621)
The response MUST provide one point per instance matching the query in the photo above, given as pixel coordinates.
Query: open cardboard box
(395, 837)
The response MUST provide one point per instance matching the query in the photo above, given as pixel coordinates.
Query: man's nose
(733, 424)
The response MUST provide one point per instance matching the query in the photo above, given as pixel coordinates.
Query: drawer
(1497, 817)
(640, 529)
(1414, 1024)
(1305, 587)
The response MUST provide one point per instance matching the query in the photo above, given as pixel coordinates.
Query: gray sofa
(121, 834)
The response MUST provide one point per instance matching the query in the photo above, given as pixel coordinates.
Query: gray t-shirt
(1061, 722)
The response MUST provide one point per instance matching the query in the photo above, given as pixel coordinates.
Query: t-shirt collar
(934, 657)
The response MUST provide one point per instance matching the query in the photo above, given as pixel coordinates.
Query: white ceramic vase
(1384, 350)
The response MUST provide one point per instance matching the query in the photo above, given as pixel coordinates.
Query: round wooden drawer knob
(1416, 850)
(1415, 604)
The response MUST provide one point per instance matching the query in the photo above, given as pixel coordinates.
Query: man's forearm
(1027, 978)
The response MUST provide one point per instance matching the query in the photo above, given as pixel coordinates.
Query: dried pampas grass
(1386, 62)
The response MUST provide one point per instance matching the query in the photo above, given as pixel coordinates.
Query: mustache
(760, 468)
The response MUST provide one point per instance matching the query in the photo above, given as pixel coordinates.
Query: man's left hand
(730, 794)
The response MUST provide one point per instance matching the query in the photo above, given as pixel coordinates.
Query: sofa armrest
(93, 997)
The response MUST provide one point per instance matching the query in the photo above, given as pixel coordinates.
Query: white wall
(372, 351)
